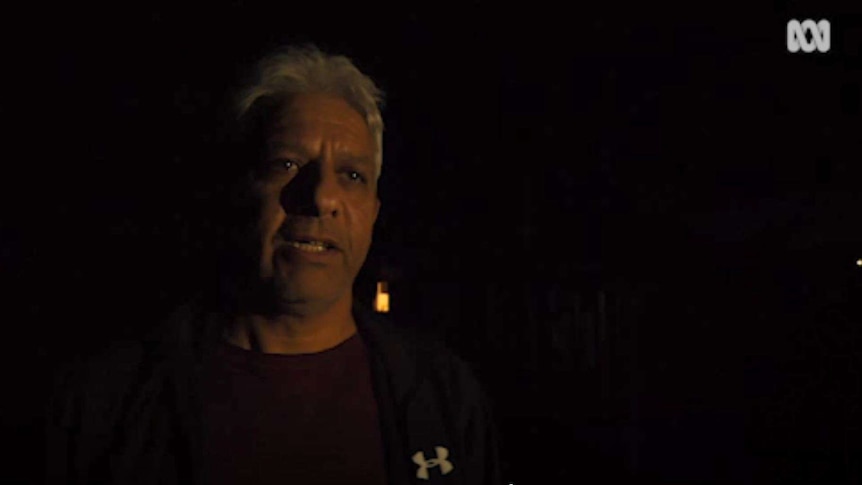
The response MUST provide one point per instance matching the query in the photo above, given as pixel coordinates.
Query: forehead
(308, 121)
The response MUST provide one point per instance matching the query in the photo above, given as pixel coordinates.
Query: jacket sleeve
(486, 438)
(479, 428)
(79, 416)
(61, 408)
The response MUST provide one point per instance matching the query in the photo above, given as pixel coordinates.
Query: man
(282, 377)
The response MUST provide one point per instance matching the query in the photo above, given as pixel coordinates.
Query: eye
(277, 167)
(286, 164)
(356, 176)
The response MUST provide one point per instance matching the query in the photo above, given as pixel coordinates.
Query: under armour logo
(797, 39)
(445, 465)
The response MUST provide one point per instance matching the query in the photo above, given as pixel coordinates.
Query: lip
(308, 237)
(292, 253)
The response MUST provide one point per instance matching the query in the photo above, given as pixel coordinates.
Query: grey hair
(306, 69)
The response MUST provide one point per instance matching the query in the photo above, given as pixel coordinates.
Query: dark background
(639, 225)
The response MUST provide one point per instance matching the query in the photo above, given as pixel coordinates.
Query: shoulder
(438, 363)
(110, 362)
(406, 344)
(458, 377)
(87, 391)
(92, 385)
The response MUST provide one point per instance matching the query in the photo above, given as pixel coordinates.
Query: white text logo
(424, 465)
(797, 35)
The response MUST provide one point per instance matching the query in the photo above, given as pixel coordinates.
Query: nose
(312, 192)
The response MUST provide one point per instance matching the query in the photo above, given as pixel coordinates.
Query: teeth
(313, 246)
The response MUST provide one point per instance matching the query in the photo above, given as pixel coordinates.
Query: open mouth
(311, 246)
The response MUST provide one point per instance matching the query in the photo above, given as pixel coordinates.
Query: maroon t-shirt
(291, 419)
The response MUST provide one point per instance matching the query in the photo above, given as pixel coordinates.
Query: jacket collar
(394, 348)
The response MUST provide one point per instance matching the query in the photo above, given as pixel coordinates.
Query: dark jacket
(130, 414)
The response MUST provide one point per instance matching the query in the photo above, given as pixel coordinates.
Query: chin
(297, 290)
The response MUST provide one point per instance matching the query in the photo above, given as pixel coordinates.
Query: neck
(299, 328)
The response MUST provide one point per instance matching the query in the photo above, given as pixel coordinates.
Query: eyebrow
(279, 145)
(344, 156)
(361, 160)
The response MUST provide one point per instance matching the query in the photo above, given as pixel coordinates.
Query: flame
(381, 300)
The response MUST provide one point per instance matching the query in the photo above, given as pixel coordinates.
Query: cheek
(269, 219)
(363, 225)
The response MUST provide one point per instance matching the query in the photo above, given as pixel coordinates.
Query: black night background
(640, 225)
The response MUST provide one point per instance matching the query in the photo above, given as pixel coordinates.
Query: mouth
(311, 246)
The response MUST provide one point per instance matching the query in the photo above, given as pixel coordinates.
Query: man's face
(315, 182)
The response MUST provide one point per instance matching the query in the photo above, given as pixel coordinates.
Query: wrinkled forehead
(314, 118)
